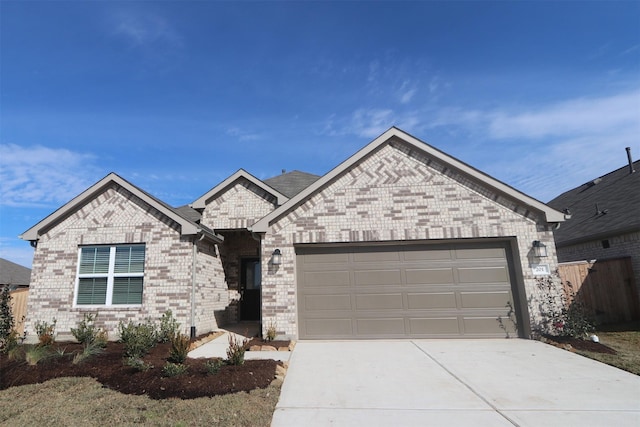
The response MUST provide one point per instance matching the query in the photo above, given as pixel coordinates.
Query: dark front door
(250, 281)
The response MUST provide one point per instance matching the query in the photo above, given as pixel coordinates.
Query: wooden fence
(19, 307)
(607, 287)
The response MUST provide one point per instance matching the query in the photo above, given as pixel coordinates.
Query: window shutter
(129, 259)
(127, 290)
(94, 260)
(92, 291)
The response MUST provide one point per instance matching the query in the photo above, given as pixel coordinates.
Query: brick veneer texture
(116, 216)
(239, 206)
(396, 194)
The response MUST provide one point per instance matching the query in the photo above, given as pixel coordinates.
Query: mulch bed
(109, 369)
(578, 344)
(276, 344)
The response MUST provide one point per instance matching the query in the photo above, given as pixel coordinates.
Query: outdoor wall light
(276, 257)
(539, 249)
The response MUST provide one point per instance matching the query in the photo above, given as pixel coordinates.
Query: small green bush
(271, 332)
(168, 327)
(137, 339)
(8, 336)
(179, 348)
(236, 350)
(213, 365)
(46, 332)
(174, 369)
(88, 351)
(35, 354)
(138, 364)
(88, 334)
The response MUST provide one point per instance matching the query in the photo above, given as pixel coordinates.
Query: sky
(175, 96)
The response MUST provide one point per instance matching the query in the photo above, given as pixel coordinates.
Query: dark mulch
(261, 342)
(109, 369)
(578, 344)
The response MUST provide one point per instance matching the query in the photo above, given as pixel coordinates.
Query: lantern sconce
(539, 249)
(276, 257)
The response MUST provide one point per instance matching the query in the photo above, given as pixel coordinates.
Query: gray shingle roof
(14, 274)
(606, 206)
(291, 183)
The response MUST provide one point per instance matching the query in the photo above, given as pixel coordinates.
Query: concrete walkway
(452, 383)
(218, 348)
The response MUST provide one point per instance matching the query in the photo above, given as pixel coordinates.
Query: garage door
(411, 291)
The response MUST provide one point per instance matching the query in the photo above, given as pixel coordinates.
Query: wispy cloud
(242, 134)
(145, 29)
(39, 176)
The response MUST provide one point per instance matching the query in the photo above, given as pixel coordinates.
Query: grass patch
(93, 405)
(623, 338)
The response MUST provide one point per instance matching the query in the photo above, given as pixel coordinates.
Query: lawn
(84, 401)
(625, 340)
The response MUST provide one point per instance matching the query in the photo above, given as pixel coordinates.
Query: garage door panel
(497, 300)
(327, 278)
(429, 276)
(327, 302)
(483, 275)
(326, 258)
(480, 253)
(435, 300)
(377, 277)
(328, 327)
(381, 327)
(482, 326)
(379, 302)
(405, 291)
(434, 326)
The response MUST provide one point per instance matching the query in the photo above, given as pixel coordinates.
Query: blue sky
(176, 96)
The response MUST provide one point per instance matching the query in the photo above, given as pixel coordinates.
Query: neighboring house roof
(291, 183)
(606, 206)
(201, 202)
(187, 225)
(14, 274)
(395, 134)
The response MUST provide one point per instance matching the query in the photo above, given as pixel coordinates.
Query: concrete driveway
(452, 383)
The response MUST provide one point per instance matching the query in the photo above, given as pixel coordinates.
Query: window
(110, 275)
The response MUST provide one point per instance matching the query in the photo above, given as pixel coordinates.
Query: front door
(250, 281)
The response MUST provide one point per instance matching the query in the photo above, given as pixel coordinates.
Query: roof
(187, 225)
(13, 274)
(291, 183)
(395, 134)
(605, 206)
(240, 174)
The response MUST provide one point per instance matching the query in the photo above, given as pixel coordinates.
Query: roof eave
(550, 215)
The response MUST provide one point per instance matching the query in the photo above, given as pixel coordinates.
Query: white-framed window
(110, 275)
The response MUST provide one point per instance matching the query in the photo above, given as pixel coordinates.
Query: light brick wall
(395, 194)
(116, 217)
(622, 245)
(240, 206)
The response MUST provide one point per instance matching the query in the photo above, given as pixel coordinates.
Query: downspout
(192, 332)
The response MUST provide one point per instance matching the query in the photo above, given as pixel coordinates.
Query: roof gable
(395, 134)
(203, 200)
(187, 226)
(602, 207)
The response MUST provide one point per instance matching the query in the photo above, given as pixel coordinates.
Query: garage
(449, 290)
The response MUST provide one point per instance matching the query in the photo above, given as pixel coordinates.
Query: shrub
(271, 332)
(88, 351)
(168, 327)
(235, 352)
(8, 335)
(137, 339)
(46, 332)
(179, 348)
(34, 354)
(138, 364)
(88, 334)
(174, 369)
(213, 365)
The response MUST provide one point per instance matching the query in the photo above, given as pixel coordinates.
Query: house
(399, 240)
(605, 218)
(14, 275)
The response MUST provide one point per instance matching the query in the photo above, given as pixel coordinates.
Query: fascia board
(551, 215)
(187, 228)
(201, 202)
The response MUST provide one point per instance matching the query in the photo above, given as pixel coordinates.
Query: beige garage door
(415, 291)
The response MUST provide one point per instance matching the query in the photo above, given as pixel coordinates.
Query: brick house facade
(396, 197)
